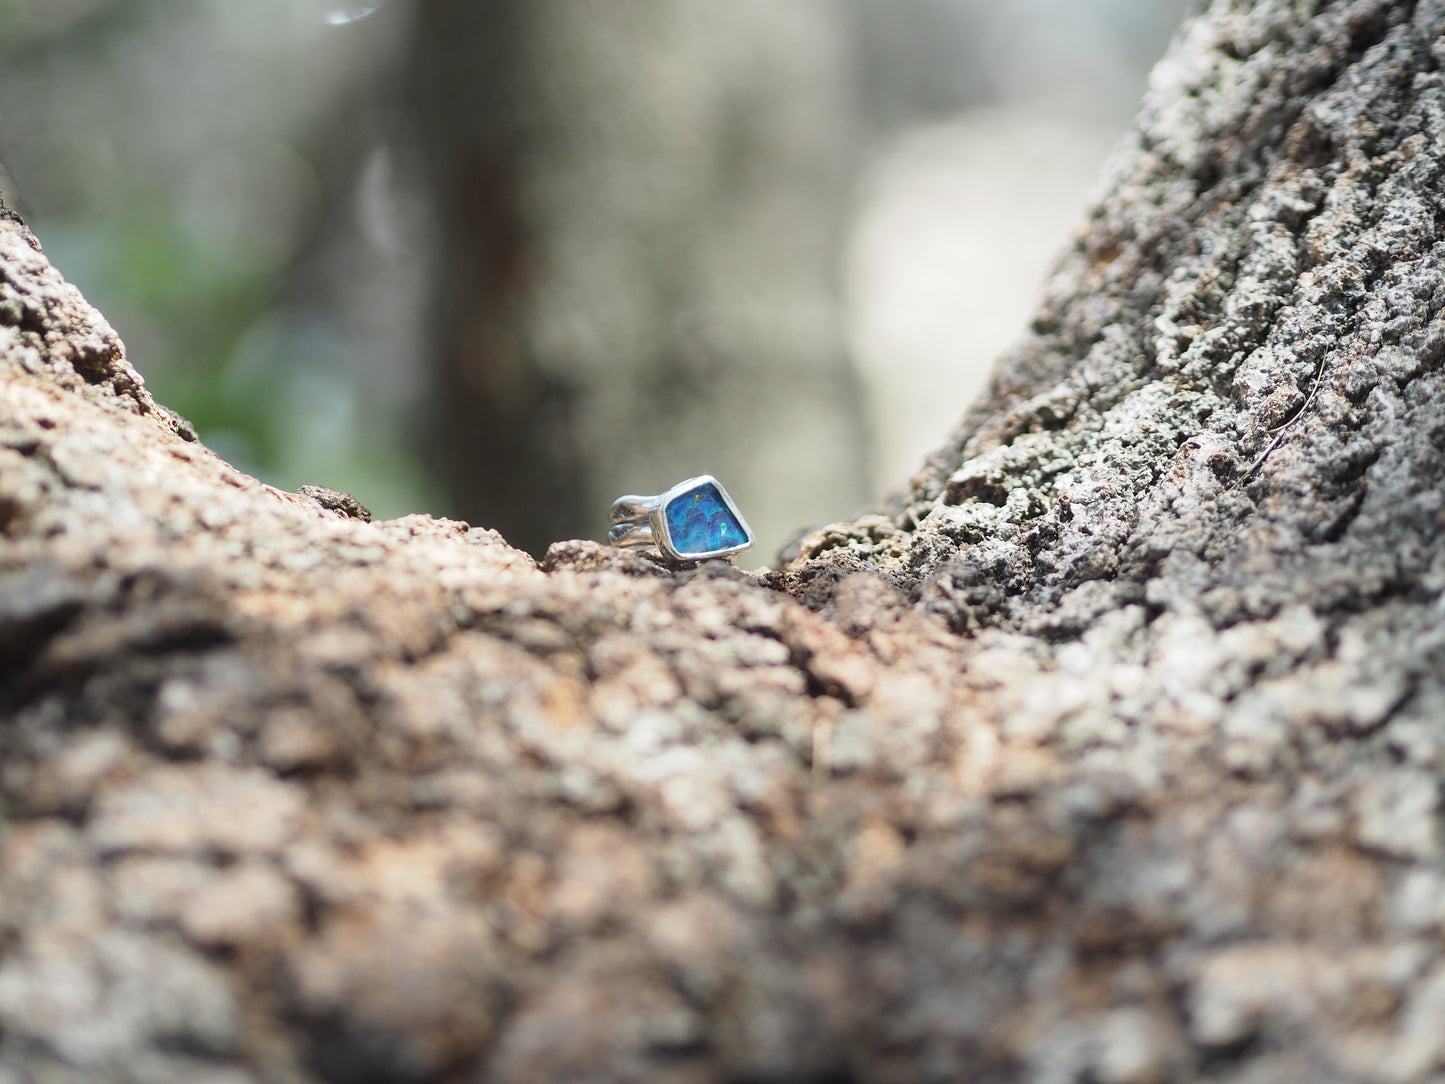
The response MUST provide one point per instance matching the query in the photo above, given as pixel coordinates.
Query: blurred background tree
(510, 260)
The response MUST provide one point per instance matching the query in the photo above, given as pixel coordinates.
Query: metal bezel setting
(662, 534)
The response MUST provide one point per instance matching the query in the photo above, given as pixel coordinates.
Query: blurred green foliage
(151, 148)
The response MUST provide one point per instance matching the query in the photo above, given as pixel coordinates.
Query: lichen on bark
(1113, 752)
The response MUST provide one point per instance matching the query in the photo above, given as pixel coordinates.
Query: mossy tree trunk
(1113, 753)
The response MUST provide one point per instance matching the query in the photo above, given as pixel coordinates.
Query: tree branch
(1108, 756)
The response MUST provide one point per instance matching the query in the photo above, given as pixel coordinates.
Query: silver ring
(692, 521)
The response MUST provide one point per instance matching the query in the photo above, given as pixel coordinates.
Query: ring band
(693, 521)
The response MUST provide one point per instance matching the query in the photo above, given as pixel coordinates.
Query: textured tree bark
(1113, 753)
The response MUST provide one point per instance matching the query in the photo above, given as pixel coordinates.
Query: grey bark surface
(1112, 754)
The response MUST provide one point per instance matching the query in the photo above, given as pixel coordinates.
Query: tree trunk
(1113, 754)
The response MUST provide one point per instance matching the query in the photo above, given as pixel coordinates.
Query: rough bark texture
(1115, 755)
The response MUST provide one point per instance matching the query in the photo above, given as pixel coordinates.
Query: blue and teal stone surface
(699, 522)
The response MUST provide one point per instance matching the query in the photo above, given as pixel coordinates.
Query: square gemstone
(699, 523)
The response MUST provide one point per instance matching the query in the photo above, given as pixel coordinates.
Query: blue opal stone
(699, 522)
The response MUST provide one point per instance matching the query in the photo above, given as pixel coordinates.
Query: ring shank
(631, 508)
(632, 521)
(631, 534)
